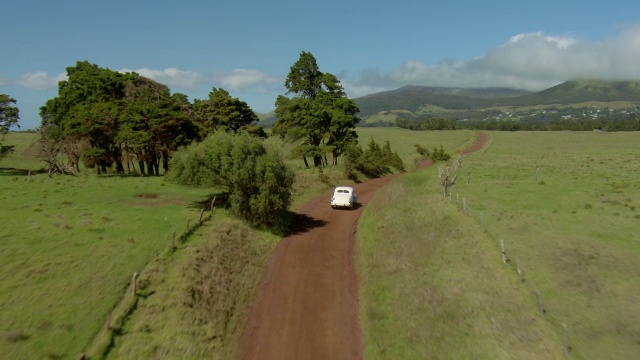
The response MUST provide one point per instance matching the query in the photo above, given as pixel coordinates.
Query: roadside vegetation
(73, 243)
(434, 284)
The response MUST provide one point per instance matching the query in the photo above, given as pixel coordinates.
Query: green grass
(69, 248)
(71, 244)
(573, 228)
(403, 141)
(432, 286)
(24, 156)
(193, 304)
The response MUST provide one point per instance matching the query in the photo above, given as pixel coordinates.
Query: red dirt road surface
(307, 304)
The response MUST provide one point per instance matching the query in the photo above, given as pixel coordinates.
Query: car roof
(349, 188)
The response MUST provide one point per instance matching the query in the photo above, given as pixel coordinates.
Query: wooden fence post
(201, 212)
(468, 177)
(565, 332)
(504, 252)
(133, 282)
(464, 205)
(213, 202)
(540, 302)
(446, 185)
(519, 270)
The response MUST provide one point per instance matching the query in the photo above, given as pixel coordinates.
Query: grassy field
(175, 323)
(433, 281)
(69, 247)
(565, 204)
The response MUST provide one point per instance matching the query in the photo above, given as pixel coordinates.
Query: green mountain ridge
(475, 103)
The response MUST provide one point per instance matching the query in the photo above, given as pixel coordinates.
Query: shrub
(372, 162)
(257, 182)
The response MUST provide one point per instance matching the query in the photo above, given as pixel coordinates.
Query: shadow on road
(303, 223)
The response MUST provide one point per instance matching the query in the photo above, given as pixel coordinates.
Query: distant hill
(581, 91)
(266, 119)
(481, 103)
(412, 98)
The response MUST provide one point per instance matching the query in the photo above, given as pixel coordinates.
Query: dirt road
(307, 304)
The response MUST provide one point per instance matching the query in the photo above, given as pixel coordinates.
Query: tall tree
(319, 112)
(9, 116)
(222, 111)
(87, 107)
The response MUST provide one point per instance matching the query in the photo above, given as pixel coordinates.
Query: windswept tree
(319, 113)
(224, 112)
(102, 117)
(9, 116)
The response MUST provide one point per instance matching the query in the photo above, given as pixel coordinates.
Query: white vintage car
(344, 196)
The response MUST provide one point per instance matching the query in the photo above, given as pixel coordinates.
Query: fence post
(519, 270)
(464, 205)
(504, 252)
(537, 173)
(468, 177)
(540, 302)
(133, 282)
(213, 202)
(565, 332)
(201, 212)
(446, 185)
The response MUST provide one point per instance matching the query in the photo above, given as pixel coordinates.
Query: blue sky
(247, 47)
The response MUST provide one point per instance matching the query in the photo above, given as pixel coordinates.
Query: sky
(248, 46)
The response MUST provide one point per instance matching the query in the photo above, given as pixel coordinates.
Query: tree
(319, 112)
(258, 183)
(9, 116)
(102, 117)
(221, 111)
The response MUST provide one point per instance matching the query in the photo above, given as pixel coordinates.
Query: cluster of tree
(583, 124)
(102, 117)
(257, 182)
(374, 161)
(427, 124)
(438, 154)
(9, 116)
(319, 114)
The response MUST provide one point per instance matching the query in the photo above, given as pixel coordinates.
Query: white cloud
(242, 79)
(173, 77)
(238, 79)
(532, 61)
(40, 80)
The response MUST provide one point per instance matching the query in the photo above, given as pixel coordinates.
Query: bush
(373, 162)
(257, 182)
(440, 155)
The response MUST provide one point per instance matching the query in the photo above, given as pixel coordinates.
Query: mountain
(412, 98)
(385, 107)
(481, 103)
(581, 91)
